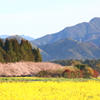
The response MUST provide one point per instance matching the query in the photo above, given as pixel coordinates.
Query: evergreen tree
(1, 55)
(23, 54)
(1, 43)
(7, 58)
(9, 50)
(12, 55)
(8, 45)
(81, 66)
(38, 57)
(4, 56)
(17, 49)
(12, 51)
(26, 50)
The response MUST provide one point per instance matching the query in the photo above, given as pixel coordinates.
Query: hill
(86, 32)
(19, 38)
(70, 49)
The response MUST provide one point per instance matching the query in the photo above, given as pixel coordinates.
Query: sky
(37, 18)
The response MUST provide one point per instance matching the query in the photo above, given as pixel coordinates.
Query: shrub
(72, 74)
(78, 74)
(66, 73)
(96, 74)
(43, 74)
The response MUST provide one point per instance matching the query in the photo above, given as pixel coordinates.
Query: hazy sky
(37, 18)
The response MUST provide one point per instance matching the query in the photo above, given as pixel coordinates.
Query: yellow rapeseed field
(50, 90)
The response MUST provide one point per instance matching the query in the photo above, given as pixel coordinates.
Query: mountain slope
(70, 49)
(84, 31)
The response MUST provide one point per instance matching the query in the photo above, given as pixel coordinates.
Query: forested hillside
(13, 51)
(70, 49)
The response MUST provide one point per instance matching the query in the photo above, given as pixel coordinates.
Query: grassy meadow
(34, 88)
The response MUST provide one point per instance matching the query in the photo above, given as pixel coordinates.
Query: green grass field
(11, 79)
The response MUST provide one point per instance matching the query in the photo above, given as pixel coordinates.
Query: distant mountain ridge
(22, 36)
(27, 37)
(86, 32)
(4, 36)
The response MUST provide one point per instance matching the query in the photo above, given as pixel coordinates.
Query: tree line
(83, 71)
(93, 63)
(13, 51)
(78, 71)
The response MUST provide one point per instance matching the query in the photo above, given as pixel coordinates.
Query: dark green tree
(8, 47)
(4, 56)
(26, 51)
(17, 49)
(38, 57)
(12, 51)
(81, 66)
(1, 55)
(23, 51)
(1, 43)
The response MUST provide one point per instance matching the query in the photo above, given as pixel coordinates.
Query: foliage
(43, 74)
(74, 62)
(38, 57)
(50, 73)
(87, 72)
(72, 74)
(94, 64)
(67, 62)
(96, 74)
(50, 90)
(81, 66)
(12, 51)
(82, 71)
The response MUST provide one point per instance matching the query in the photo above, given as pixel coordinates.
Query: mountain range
(81, 41)
(70, 49)
(85, 32)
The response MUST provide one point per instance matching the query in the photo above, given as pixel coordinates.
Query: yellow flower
(51, 90)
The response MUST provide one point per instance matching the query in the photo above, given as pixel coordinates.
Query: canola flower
(50, 90)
